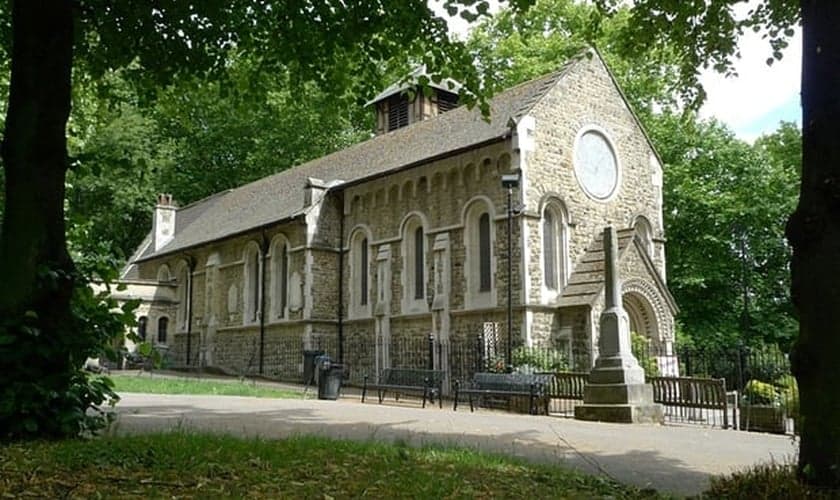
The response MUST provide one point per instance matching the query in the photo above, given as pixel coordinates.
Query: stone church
(405, 235)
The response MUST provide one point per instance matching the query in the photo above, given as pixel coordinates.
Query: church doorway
(642, 318)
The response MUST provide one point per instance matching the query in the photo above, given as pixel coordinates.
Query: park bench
(691, 393)
(429, 383)
(504, 385)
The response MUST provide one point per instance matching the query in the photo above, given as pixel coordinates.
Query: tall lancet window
(550, 250)
(484, 271)
(555, 248)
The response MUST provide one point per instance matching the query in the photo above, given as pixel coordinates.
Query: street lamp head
(510, 181)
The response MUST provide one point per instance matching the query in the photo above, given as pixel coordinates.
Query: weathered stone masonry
(425, 188)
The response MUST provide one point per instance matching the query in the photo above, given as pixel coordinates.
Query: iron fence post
(431, 363)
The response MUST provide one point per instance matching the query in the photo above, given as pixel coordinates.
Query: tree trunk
(814, 233)
(34, 263)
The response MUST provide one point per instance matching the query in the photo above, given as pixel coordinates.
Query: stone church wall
(588, 97)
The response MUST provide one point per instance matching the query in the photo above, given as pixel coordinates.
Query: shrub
(767, 481)
(640, 346)
(44, 390)
(757, 392)
(530, 359)
(789, 395)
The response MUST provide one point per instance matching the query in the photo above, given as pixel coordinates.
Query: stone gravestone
(616, 390)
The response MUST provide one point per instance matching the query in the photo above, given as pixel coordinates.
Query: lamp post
(509, 182)
(430, 300)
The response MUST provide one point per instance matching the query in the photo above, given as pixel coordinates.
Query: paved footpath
(676, 459)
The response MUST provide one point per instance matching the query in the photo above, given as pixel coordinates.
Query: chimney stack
(164, 222)
(313, 190)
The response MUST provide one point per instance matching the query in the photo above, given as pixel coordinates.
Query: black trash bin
(329, 378)
(309, 358)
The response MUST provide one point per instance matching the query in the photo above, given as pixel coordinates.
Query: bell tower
(405, 103)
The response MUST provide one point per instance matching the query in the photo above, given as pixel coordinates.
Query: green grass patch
(186, 465)
(177, 385)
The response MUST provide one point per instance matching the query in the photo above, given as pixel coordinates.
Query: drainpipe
(191, 268)
(263, 251)
(341, 278)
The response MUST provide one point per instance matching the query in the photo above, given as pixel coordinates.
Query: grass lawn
(186, 465)
(176, 385)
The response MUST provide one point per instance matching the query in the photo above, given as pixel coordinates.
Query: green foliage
(530, 359)
(726, 204)
(187, 464)
(789, 395)
(516, 46)
(772, 481)
(44, 390)
(640, 347)
(254, 124)
(117, 153)
(701, 35)
(760, 393)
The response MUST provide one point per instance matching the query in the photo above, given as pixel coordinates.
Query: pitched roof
(587, 281)
(280, 196)
(412, 80)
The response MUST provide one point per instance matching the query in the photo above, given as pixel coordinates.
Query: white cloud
(458, 25)
(750, 103)
(759, 90)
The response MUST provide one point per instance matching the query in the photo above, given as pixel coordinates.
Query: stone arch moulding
(643, 295)
(471, 203)
(414, 260)
(251, 279)
(359, 245)
(278, 276)
(409, 216)
(182, 279)
(479, 265)
(556, 199)
(163, 274)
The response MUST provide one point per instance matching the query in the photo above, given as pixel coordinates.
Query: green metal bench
(429, 383)
(506, 385)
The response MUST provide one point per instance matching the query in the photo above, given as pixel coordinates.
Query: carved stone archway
(649, 315)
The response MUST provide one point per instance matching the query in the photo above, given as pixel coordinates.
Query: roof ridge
(547, 81)
(279, 196)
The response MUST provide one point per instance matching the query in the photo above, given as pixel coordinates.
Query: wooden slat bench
(691, 392)
(505, 385)
(429, 383)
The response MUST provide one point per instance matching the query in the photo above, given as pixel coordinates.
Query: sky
(751, 104)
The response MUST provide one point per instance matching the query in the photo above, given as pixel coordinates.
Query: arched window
(252, 285)
(142, 327)
(163, 275)
(363, 272)
(359, 274)
(414, 265)
(555, 247)
(183, 278)
(645, 233)
(550, 251)
(163, 325)
(419, 264)
(479, 237)
(279, 277)
(485, 278)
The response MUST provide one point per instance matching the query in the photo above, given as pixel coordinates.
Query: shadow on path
(659, 461)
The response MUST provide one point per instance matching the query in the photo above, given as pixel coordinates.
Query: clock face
(596, 166)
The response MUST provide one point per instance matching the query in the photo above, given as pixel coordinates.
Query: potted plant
(761, 408)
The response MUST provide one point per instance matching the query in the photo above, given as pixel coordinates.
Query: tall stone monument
(616, 390)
